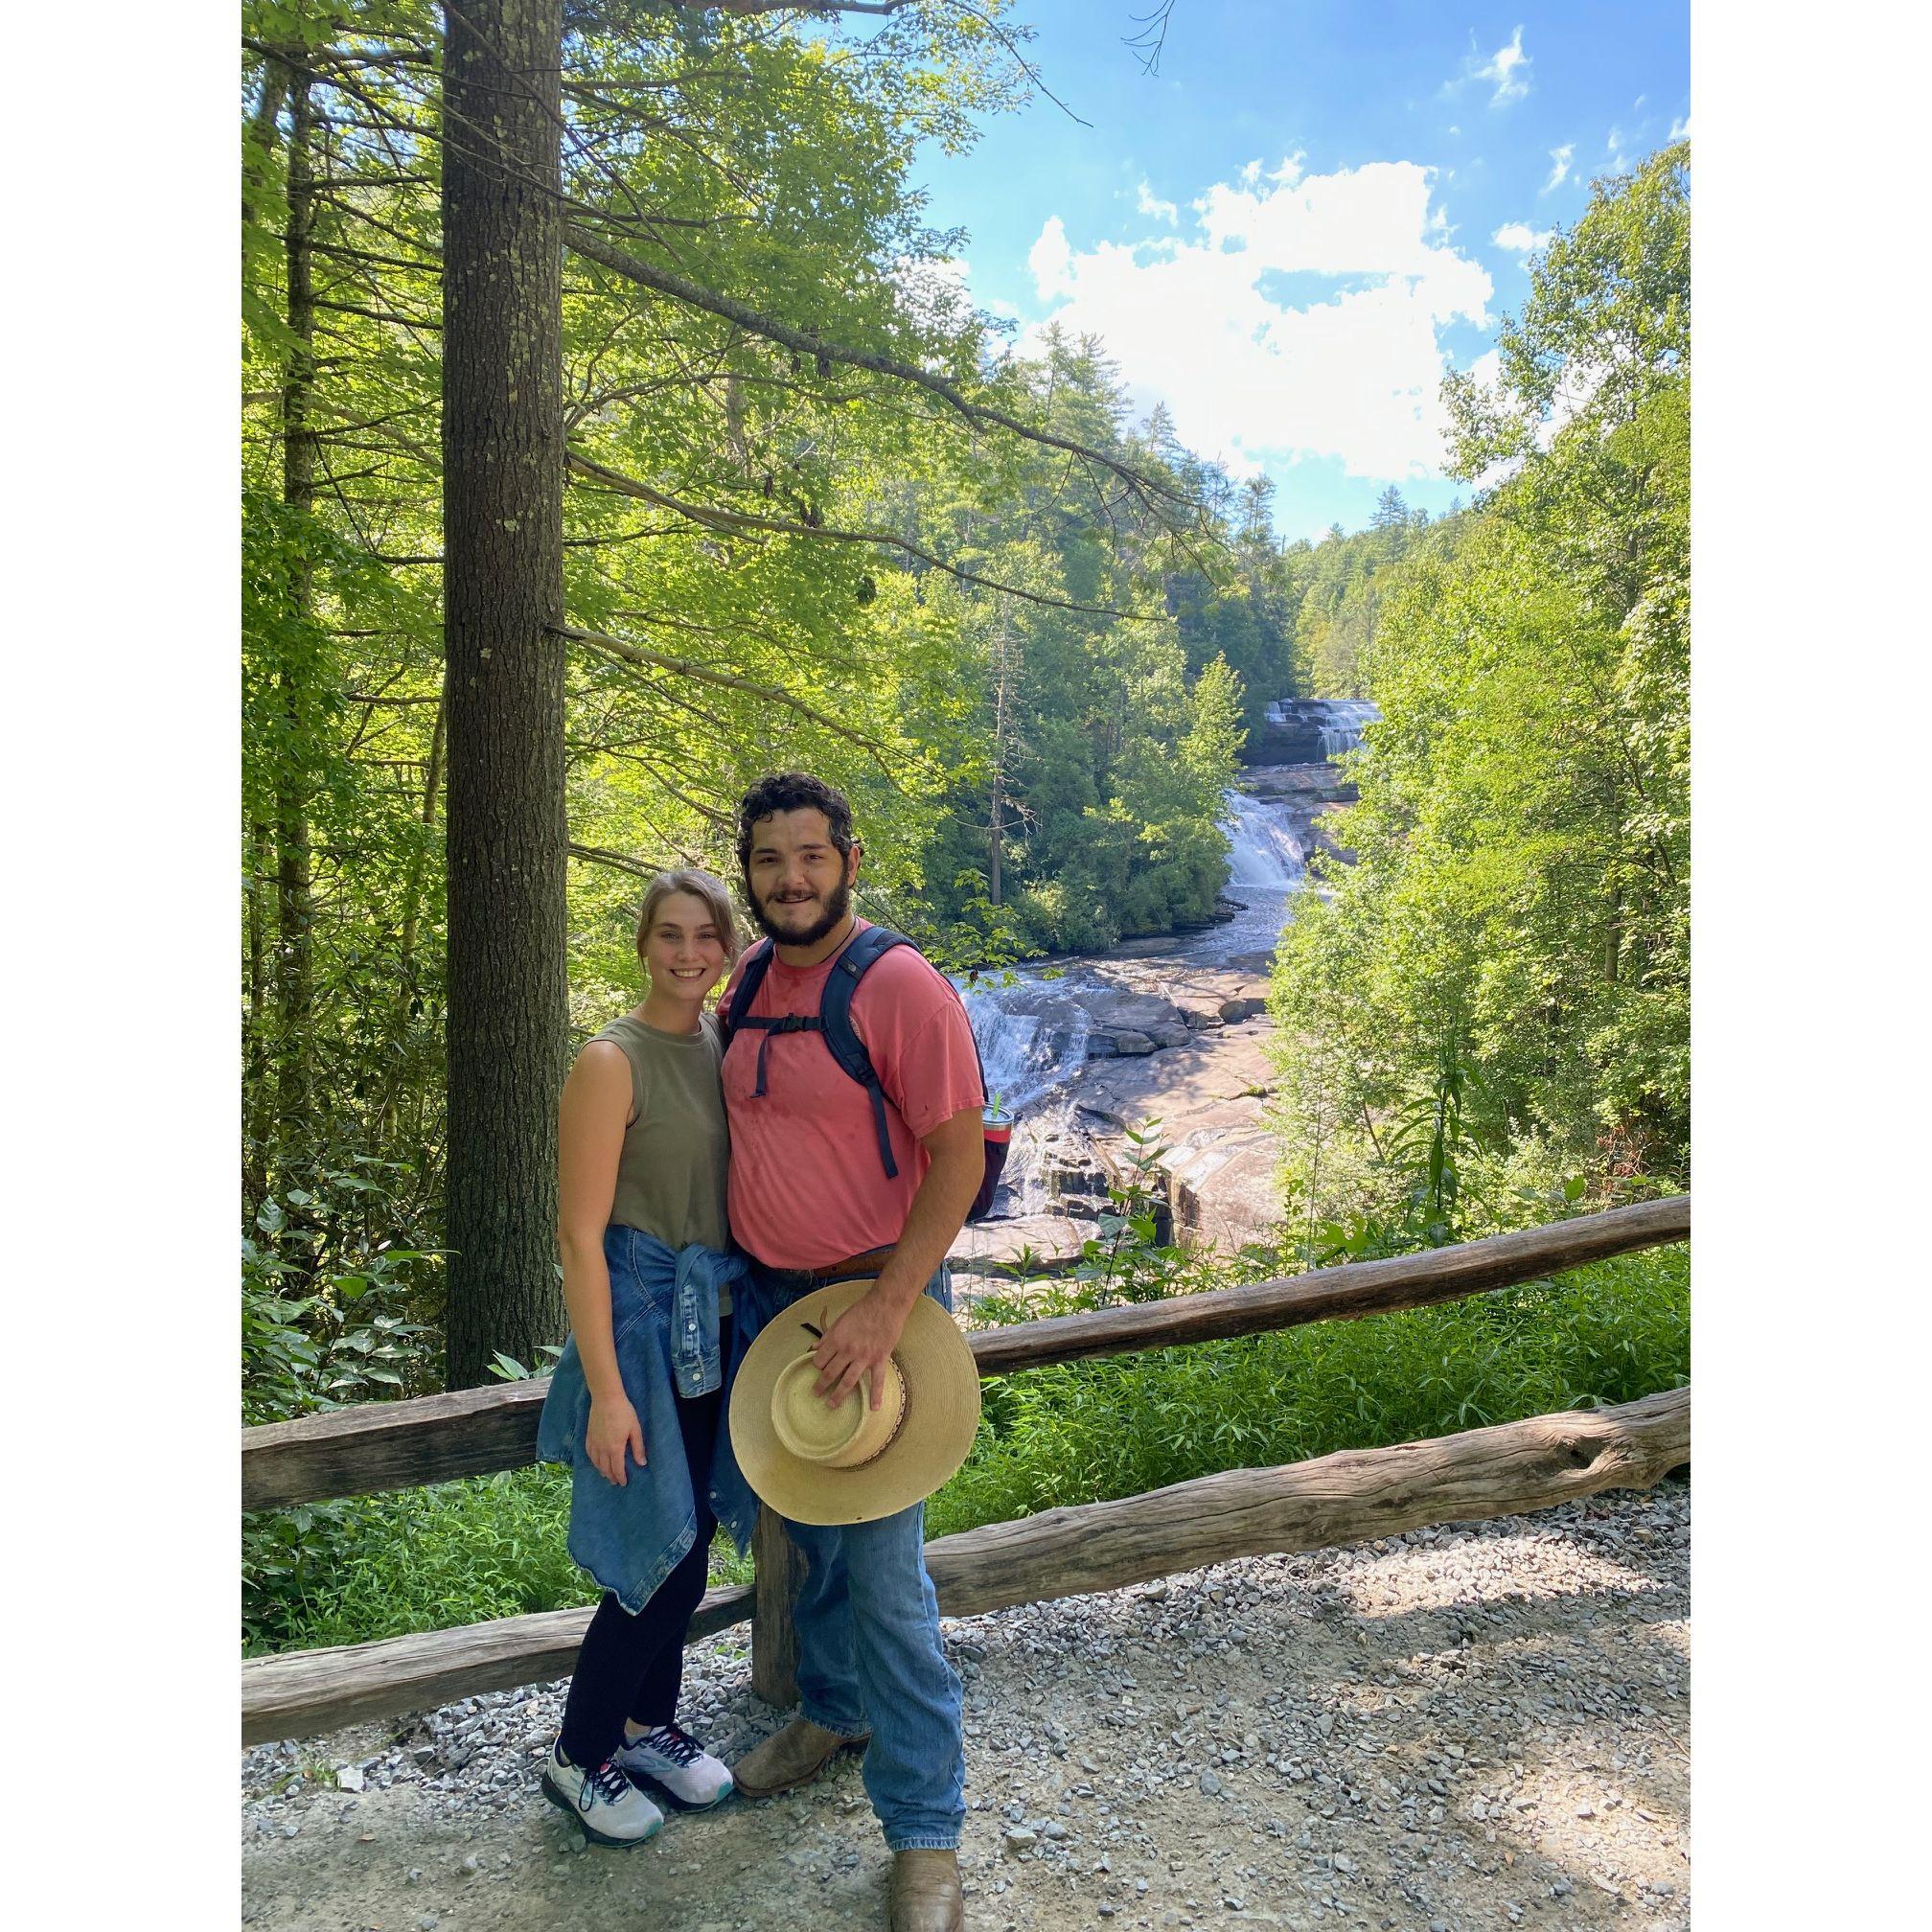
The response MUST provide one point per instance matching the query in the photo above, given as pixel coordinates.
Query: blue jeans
(870, 1659)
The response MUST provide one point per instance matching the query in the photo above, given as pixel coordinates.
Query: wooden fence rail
(1351, 1496)
(473, 1432)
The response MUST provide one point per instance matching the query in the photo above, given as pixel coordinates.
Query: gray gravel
(1453, 1729)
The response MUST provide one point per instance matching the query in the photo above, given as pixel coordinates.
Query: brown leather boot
(924, 1892)
(790, 1758)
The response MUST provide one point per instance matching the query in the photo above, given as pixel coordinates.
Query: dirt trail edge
(1452, 1730)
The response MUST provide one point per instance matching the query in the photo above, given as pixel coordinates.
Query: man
(811, 1201)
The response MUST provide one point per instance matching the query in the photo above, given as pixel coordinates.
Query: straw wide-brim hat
(854, 1463)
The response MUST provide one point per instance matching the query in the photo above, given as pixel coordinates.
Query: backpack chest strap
(789, 1023)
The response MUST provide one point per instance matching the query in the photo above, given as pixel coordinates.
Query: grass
(429, 1559)
(492, 1546)
(1085, 1432)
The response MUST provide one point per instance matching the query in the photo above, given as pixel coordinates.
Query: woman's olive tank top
(672, 1173)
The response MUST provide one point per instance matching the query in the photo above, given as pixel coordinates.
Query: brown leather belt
(797, 1280)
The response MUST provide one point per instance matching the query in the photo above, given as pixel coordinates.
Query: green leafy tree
(1500, 982)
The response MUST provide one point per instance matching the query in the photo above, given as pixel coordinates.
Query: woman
(637, 1404)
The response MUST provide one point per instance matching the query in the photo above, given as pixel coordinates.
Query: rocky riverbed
(1452, 1730)
(1178, 1042)
(1173, 1030)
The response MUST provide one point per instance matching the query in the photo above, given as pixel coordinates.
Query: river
(1082, 1048)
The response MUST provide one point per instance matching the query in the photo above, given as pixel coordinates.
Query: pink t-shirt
(808, 1187)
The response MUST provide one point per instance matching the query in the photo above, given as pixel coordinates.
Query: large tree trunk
(503, 600)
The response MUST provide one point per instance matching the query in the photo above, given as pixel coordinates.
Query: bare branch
(1025, 66)
(1150, 42)
(600, 855)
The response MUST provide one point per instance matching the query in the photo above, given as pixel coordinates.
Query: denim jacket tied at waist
(664, 1322)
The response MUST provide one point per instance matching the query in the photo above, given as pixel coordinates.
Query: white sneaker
(607, 1808)
(672, 1762)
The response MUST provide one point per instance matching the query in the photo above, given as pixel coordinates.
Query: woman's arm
(590, 1124)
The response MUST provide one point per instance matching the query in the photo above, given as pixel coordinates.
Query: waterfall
(1263, 853)
(1030, 1039)
(1303, 729)
(1033, 1032)
(1032, 1043)
(1341, 728)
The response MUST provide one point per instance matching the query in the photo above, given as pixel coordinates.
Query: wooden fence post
(774, 1641)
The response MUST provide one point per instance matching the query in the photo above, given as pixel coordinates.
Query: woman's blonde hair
(701, 886)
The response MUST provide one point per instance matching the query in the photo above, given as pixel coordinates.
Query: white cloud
(1560, 172)
(1521, 239)
(1680, 130)
(1148, 204)
(1050, 257)
(1503, 67)
(1348, 369)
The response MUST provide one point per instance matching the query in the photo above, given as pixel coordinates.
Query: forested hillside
(1495, 998)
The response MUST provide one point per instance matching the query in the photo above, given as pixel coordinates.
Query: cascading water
(1032, 1043)
(1031, 1038)
(1263, 852)
(1342, 730)
(1304, 729)
(1033, 1033)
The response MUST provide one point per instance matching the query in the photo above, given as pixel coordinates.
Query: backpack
(833, 1023)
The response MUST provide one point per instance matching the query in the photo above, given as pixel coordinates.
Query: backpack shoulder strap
(834, 1014)
(756, 963)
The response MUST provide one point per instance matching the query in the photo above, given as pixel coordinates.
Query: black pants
(632, 1666)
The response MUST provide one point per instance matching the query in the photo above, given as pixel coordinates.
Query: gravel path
(1454, 1729)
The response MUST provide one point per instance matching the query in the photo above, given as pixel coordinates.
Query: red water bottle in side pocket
(998, 1126)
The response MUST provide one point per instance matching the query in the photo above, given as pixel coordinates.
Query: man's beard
(837, 908)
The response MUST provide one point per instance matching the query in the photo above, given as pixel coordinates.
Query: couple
(706, 1183)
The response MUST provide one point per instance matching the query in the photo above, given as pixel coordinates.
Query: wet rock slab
(1030, 1246)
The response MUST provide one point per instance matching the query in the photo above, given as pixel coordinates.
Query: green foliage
(1088, 1431)
(1337, 588)
(328, 1300)
(421, 1559)
(379, 1566)
(1100, 738)
(1034, 691)
(748, 617)
(1500, 983)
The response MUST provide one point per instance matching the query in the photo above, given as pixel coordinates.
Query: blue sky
(1309, 212)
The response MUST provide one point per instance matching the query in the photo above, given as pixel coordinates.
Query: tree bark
(503, 681)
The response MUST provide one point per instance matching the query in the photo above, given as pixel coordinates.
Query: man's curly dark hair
(793, 791)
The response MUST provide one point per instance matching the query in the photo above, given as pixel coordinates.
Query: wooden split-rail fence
(1352, 1496)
